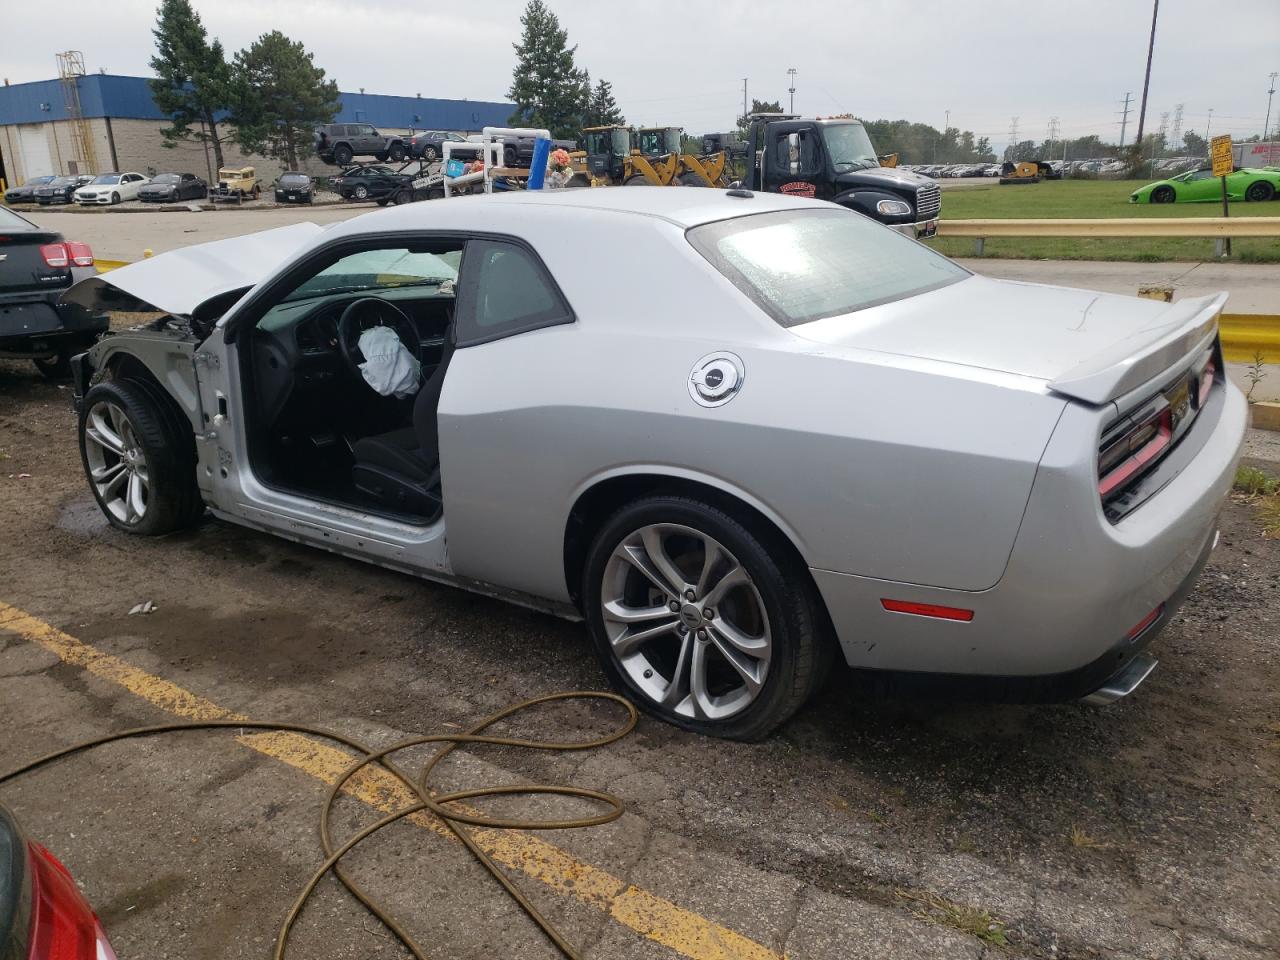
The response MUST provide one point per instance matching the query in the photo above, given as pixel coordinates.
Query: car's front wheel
(115, 198)
(1162, 195)
(1260, 191)
(703, 622)
(139, 456)
(429, 154)
(396, 153)
(361, 192)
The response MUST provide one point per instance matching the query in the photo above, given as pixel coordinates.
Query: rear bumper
(37, 326)
(1056, 625)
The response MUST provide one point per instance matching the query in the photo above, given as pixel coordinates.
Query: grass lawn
(1086, 199)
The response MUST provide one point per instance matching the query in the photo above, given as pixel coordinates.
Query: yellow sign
(1220, 150)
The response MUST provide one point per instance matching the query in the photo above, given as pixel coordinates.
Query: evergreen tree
(547, 87)
(604, 111)
(193, 80)
(283, 97)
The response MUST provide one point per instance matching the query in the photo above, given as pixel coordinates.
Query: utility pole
(744, 100)
(1207, 125)
(1013, 138)
(791, 72)
(1175, 135)
(1124, 120)
(1146, 82)
(1266, 124)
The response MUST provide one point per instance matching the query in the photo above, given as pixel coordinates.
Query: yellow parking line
(648, 914)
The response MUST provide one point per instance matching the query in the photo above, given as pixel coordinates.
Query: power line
(1124, 122)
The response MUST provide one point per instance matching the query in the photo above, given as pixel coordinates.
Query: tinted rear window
(803, 265)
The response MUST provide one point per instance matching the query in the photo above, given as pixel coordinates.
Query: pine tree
(193, 79)
(283, 97)
(604, 111)
(547, 87)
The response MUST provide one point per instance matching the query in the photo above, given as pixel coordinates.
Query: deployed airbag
(388, 365)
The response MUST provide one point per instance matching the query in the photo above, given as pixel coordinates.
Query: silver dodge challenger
(734, 433)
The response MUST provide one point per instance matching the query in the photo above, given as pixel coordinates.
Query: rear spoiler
(1144, 354)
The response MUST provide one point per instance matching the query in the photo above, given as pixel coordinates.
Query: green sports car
(1201, 186)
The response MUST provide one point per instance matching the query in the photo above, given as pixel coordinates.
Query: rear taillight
(1129, 449)
(79, 253)
(62, 925)
(1206, 381)
(55, 255)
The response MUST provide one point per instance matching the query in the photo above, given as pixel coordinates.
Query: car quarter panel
(881, 466)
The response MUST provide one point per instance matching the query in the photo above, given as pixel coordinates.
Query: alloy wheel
(118, 466)
(685, 622)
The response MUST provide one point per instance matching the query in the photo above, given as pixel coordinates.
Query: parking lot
(868, 827)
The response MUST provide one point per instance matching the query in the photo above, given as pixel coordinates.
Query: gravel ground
(867, 827)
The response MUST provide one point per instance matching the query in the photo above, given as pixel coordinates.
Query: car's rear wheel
(139, 457)
(1162, 195)
(342, 155)
(1260, 191)
(700, 620)
(55, 367)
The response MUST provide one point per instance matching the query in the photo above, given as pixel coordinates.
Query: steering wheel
(365, 313)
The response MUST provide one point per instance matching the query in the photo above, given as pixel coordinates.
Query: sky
(985, 62)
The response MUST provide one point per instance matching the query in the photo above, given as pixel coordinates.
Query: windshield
(849, 146)
(62, 182)
(379, 269)
(230, 174)
(107, 178)
(11, 221)
(803, 265)
(294, 178)
(166, 178)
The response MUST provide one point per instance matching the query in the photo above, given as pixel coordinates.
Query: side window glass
(505, 291)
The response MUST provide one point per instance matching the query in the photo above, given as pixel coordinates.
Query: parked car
(60, 189)
(36, 268)
(238, 184)
(27, 192)
(43, 914)
(428, 144)
(294, 187)
(110, 188)
(371, 182)
(1201, 186)
(339, 143)
(173, 188)
(842, 443)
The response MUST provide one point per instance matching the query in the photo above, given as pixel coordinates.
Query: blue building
(118, 126)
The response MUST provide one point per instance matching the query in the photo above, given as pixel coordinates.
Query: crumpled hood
(180, 281)
(1089, 345)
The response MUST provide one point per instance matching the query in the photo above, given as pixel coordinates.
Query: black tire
(165, 439)
(396, 153)
(1163, 195)
(429, 154)
(435, 193)
(800, 645)
(115, 198)
(639, 180)
(342, 155)
(57, 367)
(360, 192)
(510, 157)
(692, 180)
(1260, 192)
(382, 201)
(401, 197)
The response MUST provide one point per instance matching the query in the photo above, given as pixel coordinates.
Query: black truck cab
(835, 160)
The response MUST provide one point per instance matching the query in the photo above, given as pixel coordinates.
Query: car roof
(684, 207)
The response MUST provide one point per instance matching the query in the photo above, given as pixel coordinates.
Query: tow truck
(834, 159)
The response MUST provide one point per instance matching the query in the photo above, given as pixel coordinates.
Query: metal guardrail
(1216, 228)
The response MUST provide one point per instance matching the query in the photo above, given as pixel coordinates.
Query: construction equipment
(609, 158)
(1028, 171)
(703, 170)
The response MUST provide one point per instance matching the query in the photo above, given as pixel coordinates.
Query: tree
(282, 97)
(1194, 144)
(547, 87)
(193, 79)
(759, 106)
(603, 110)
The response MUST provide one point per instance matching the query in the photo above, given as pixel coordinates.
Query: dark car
(428, 144)
(43, 915)
(173, 187)
(339, 143)
(36, 267)
(59, 189)
(371, 182)
(294, 187)
(27, 192)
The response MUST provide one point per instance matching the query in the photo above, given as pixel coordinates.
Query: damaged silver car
(828, 440)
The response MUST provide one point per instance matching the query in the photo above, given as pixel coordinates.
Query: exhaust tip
(1123, 682)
